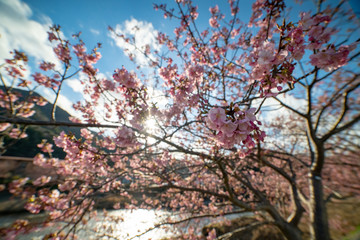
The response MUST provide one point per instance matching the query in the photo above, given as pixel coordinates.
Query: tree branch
(57, 123)
(290, 108)
(336, 129)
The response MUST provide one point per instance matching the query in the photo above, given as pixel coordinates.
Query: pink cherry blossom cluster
(52, 36)
(125, 137)
(86, 61)
(40, 101)
(63, 52)
(46, 81)
(62, 49)
(331, 58)
(296, 45)
(7, 98)
(20, 226)
(87, 111)
(10, 101)
(195, 73)
(4, 126)
(326, 57)
(52, 201)
(169, 73)
(46, 66)
(15, 66)
(311, 26)
(14, 71)
(317, 30)
(271, 9)
(257, 12)
(17, 133)
(235, 127)
(213, 21)
(182, 87)
(45, 146)
(42, 161)
(17, 186)
(68, 143)
(127, 79)
(41, 181)
(318, 36)
(262, 60)
(273, 66)
(25, 109)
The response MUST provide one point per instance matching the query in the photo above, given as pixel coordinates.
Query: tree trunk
(291, 232)
(319, 228)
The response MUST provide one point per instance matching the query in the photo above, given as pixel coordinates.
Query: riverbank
(343, 214)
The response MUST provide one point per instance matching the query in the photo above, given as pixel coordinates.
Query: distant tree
(198, 147)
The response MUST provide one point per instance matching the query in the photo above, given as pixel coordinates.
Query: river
(134, 222)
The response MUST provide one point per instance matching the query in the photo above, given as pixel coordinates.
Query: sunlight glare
(150, 125)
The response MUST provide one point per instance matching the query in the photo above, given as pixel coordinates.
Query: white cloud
(19, 32)
(75, 85)
(157, 97)
(273, 113)
(272, 109)
(100, 111)
(63, 102)
(144, 34)
(94, 31)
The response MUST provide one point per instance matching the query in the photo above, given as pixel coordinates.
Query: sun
(150, 125)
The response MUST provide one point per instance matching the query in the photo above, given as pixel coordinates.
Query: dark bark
(319, 228)
(291, 232)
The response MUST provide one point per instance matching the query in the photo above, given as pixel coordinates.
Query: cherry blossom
(208, 153)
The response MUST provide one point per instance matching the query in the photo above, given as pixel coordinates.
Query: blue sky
(23, 25)
(92, 18)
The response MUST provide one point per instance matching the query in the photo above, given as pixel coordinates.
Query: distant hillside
(27, 147)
